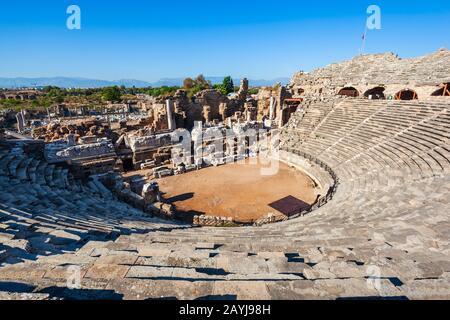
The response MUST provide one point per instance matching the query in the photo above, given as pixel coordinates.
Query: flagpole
(363, 46)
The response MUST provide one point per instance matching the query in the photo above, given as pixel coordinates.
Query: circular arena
(384, 233)
(241, 191)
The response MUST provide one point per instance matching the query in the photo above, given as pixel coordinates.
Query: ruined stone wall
(263, 100)
(100, 149)
(211, 98)
(149, 142)
(207, 105)
(422, 74)
(79, 128)
(20, 95)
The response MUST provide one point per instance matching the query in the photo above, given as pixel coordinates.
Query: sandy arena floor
(235, 190)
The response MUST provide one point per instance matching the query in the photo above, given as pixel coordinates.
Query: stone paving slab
(66, 259)
(428, 289)
(348, 288)
(128, 258)
(107, 271)
(281, 265)
(293, 290)
(149, 272)
(65, 272)
(153, 252)
(23, 272)
(138, 289)
(241, 290)
(205, 245)
(23, 296)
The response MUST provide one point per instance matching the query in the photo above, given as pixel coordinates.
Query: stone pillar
(207, 113)
(170, 118)
(249, 116)
(244, 85)
(248, 112)
(280, 119)
(20, 121)
(243, 89)
(272, 108)
(223, 108)
(48, 114)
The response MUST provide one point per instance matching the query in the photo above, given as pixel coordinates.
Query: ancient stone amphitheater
(385, 233)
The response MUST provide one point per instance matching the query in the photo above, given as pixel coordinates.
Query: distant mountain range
(66, 82)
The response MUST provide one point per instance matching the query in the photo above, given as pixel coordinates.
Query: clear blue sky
(152, 39)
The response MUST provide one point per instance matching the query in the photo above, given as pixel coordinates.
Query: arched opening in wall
(444, 91)
(406, 95)
(290, 106)
(349, 92)
(376, 93)
(128, 165)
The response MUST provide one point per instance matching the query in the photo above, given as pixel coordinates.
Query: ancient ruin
(155, 198)
(380, 76)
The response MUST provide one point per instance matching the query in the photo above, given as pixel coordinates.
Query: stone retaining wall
(320, 172)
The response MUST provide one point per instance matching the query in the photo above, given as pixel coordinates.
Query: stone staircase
(303, 122)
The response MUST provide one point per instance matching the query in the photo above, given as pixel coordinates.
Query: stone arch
(406, 94)
(444, 91)
(376, 93)
(349, 92)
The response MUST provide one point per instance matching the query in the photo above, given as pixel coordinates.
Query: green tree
(193, 86)
(188, 83)
(200, 80)
(111, 94)
(48, 89)
(162, 91)
(228, 85)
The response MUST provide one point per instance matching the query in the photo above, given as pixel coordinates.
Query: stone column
(20, 122)
(249, 116)
(280, 120)
(207, 113)
(248, 112)
(48, 114)
(272, 108)
(244, 85)
(223, 110)
(170, 118)
(243, 89)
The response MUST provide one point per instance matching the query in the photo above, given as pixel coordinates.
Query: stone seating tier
(389, 215)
